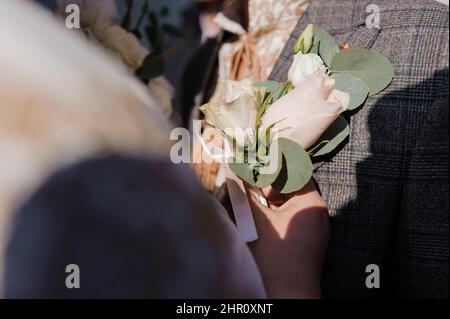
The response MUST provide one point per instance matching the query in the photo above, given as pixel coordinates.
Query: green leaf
(299, 46)
(305, 40)
(244, 171)
(354, 86)
(250, 174)
(274, 89)
(126, 20)
(327, 47)
(296, 170)
(315, 48)
(372, 67)
(331, 138)
(144, 12)
(270, 85)
(152, 67)
(264, 180)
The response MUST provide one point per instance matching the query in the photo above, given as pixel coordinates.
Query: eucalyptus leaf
(372, 67)
(264, 180)
(354, 86)
(251, 175)
(152, 67)
(244, 171)
(327, 47)
(315, 48)
(331, 138)
(296, 170)
(270, 85)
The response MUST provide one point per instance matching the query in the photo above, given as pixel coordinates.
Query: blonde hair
(62, 101)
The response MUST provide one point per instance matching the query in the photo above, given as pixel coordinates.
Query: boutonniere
(272, 131)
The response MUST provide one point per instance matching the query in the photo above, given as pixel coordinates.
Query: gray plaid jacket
(387, 189)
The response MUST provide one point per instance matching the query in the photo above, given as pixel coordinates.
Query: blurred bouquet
(271, 131)
(124, 41)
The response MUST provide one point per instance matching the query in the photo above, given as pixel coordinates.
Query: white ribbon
(241, 207)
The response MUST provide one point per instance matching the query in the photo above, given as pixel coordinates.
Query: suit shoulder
(414, 12)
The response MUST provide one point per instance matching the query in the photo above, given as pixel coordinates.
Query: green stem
(144, 12)
(126, 21)
(310, 152)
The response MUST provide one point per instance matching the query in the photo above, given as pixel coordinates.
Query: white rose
(238, 111)
(303, 66)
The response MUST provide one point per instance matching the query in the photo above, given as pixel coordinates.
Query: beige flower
(123, 44)
(234, 89)
(161, 90)
(237, 114)
(97, 22)
(306, 112)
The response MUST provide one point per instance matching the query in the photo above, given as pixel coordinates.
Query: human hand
(293, 239)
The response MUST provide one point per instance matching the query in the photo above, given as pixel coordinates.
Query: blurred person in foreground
(85, 179)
